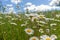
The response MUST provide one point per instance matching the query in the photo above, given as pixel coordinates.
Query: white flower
(43, 22)
(31, 15)
(18, 16)
(34, 18)
(29, 31)
(58, 15)
(1, 23)
(47, 19)
(51, 19)
(41, 30)
(23, 25)
(14, 19)
(54, 29)
(53, 24)
(15, 1)
(48, 30)
(41, 16)
(8, 16)
(0, 17)
(57, 20)
(13, 23)
(54, 36)
(46, 37)
(34, 38)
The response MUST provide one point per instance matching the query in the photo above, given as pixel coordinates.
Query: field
(13, 26)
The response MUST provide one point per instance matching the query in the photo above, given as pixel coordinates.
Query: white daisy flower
(34, 38)
(0, 17)
(14, 19)
(51, 19)
(23, 25)
(54, 36)
(41, 30)
(1, 23)
(43, 22)
(18, 16)
(8, 16)
(31, 15)
(53, 24)
(46, 37)
(41, 16)
(29, 31)
(54, 29)
(57, 20)
(47, 19)
(34, 18)
(58, 15)
(48, 30)
(13, 23)
(15, 1)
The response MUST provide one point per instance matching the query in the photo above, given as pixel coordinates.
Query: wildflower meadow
(32, 26)
(29, 19)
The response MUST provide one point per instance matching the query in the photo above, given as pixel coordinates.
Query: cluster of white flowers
(33, 16)
(42, 20)
(46, 37)
(58, 15)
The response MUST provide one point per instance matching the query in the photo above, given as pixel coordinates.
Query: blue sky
(36, 2)
(23, 3)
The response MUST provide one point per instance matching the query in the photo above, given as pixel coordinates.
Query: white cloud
(55, 3)
(9, 5)
(16, 1)
(46, 7)
(28, 4)
(11, 9)
(43, 8)
(40, 7)
(32, 7)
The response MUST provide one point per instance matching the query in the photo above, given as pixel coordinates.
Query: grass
(10, 31)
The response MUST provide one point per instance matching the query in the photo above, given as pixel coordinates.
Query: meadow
(30, 26)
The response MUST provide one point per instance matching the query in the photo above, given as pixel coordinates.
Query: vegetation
(12, 26)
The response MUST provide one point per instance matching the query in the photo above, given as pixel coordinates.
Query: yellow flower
(29, 30)
(48, 38)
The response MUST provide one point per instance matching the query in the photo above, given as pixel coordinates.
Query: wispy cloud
(41, 7)
(55, 3)
(16, 1)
